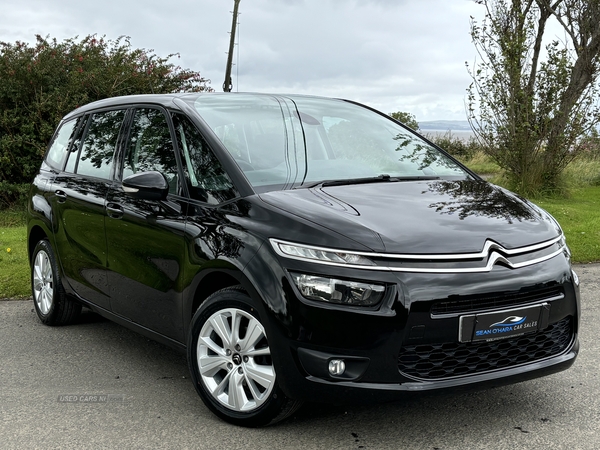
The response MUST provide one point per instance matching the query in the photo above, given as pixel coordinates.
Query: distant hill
(445, 125)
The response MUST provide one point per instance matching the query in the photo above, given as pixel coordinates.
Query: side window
(150, 147)
(98, 146)
(60, 145)
(75, 145)
(205, 177)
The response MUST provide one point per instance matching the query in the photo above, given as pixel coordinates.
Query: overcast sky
(393, 55)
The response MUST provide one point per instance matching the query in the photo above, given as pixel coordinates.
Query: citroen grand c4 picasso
(297, 248)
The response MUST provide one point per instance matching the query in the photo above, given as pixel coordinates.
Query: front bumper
(343, 392)
(375, 343)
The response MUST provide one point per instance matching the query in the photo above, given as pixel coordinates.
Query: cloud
(391, 54)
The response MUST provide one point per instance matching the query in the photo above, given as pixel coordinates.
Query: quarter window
(60, 145)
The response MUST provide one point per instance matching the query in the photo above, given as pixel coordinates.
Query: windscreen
(290, 142)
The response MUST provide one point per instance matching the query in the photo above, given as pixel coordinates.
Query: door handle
(115, 211)
(61, 196)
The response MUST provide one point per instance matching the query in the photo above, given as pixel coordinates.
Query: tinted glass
(99, 144)
(60, 145)
(76, 145)
(206, 178)
(150, 147)
(283, 142)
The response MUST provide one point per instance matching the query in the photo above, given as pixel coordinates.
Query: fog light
(337, 367)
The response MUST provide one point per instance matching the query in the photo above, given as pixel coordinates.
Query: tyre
(230, 362)
(52, 305)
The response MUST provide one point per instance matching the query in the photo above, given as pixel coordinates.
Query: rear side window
(150, 147)
(57, 152)
(99, 143)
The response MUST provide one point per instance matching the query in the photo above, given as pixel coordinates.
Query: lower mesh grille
(435, 361)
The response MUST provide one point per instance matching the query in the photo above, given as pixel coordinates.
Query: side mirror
(147, 186)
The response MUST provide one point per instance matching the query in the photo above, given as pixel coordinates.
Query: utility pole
(227, 84)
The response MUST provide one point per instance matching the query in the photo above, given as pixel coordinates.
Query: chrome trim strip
(494, 258)
(489, 245)
(492, 308)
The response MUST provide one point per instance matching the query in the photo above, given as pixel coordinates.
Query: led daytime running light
(317, 254)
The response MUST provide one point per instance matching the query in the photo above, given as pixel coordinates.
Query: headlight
(323, 255)
(332, 290)
(563, 244)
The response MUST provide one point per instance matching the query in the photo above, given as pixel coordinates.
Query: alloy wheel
(234, 360)
(43, 282)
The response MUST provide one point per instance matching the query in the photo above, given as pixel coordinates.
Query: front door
(145, 237)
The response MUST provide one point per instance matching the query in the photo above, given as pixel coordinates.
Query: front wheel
(52, 305)
(230, 362)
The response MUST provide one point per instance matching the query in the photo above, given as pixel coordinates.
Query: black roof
(167, 100)
(157, 99)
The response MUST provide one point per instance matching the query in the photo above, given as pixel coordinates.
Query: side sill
(120, 320)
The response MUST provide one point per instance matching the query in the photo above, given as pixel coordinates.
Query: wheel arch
(210, 281)
(260, 281)
(35, 235)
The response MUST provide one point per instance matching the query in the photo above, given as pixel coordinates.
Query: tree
(406, 118)
(529, 104)
(40, 83)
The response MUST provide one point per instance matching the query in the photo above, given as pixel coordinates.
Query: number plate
(503, 324)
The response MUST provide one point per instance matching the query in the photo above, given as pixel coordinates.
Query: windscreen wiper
(377, 179)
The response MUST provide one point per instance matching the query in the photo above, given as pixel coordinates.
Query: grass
(582, 172)
(14, 265)
(579, 217)
(12, 217)
(482, 164)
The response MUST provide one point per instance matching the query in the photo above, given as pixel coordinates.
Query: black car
(298, 248)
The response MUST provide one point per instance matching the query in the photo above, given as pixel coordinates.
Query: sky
(393, 55)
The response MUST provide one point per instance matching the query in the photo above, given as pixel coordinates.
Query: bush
(457, 147)
(406, 118)
(13, 195)
(584, 171)
(43, 82)
(589, 147)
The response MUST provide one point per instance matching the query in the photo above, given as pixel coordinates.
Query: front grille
(435, 361)
(479, 303)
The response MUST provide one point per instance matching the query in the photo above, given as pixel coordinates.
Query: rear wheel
(231, 365)
(52, 305)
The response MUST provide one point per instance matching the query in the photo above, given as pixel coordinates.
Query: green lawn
(14, 267)
(578, 215)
